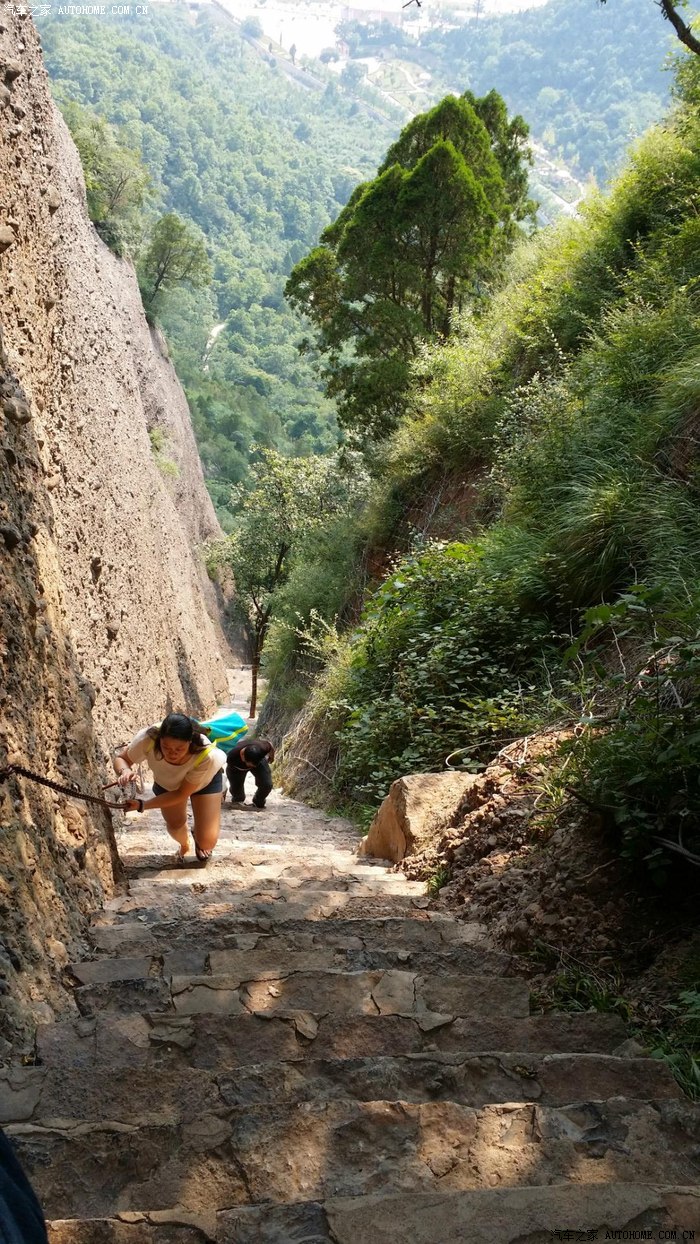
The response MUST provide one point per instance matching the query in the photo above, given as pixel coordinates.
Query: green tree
(509, 143)
(408, 250)
(252, 27)
(285, 503)
(175, 256)
(117, 181)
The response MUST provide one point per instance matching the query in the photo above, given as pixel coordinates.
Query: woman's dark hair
(179, 726)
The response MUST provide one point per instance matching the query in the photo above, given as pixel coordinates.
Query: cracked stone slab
(194, 995)
(102, 1170)
(131, 1095)
(268, 961)
(123, 938)
(644, 1078)
(221, 932)
(271, 880)
(304, 1223)
(475, 1080)
(395, 993)
(389, 992)
(220, 1042)
(104, 971)
(525, 1215)
(104, 1040)
(494, 1216)
(357, 1149)
(472, 995)
(156, 903)
(129, 1229)
(128, 1095)
(148, 994)
(20, 1092)
(455, 960)
(186, 961)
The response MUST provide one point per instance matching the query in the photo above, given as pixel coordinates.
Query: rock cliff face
(103, 622)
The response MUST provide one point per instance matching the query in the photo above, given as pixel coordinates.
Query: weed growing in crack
(442, 876)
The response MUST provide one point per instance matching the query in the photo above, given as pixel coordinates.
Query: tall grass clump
(638, 760)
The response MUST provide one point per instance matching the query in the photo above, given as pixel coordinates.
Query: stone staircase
(290, 1047)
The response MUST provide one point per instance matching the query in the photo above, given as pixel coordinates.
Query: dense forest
(260, 166)
(588, 78)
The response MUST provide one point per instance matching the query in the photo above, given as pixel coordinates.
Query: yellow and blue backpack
(226, 731)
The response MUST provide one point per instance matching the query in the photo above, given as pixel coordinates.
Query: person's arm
(123, 766)
(167, 800)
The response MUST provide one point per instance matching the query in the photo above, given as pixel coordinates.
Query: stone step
(154, 903)
(150, 1227)
(129, 1094)
(538, 1215)
(239, 876)
(221, 1042)
(391, 992)
(173, 882)
(273, 958)
(227, 932)
(354, 1149)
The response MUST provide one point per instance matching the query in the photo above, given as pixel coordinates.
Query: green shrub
(677, 1041)
(159, 444)
(445, 656)
(639, 759)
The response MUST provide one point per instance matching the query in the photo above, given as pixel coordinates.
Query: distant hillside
(261, 166)
(587, 77)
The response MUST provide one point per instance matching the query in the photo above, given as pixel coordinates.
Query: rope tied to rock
(10, 770)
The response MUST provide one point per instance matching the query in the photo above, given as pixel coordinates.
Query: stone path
(290, 1047)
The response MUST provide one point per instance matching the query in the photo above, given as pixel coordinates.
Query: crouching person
(250, 757)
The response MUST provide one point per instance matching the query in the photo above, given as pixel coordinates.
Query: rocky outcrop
(413, 811)
(104, 624)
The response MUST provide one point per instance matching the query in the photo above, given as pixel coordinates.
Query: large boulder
(413, 811)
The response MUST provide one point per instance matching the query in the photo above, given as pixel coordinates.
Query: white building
(368, 11)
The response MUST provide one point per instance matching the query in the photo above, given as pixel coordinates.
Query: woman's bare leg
(175, 818)
(207, 820)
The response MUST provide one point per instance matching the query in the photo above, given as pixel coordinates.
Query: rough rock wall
(103, 623)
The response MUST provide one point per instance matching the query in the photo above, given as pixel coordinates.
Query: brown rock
(7, 235)
(11, 69)
(11, 536)
(16, 409)
(412, 812)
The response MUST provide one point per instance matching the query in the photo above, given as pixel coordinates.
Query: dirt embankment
(547, 878)
(103, 620)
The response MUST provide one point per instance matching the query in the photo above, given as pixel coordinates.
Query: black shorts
(215, 787)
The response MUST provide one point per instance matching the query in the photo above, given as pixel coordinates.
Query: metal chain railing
(10, 770)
